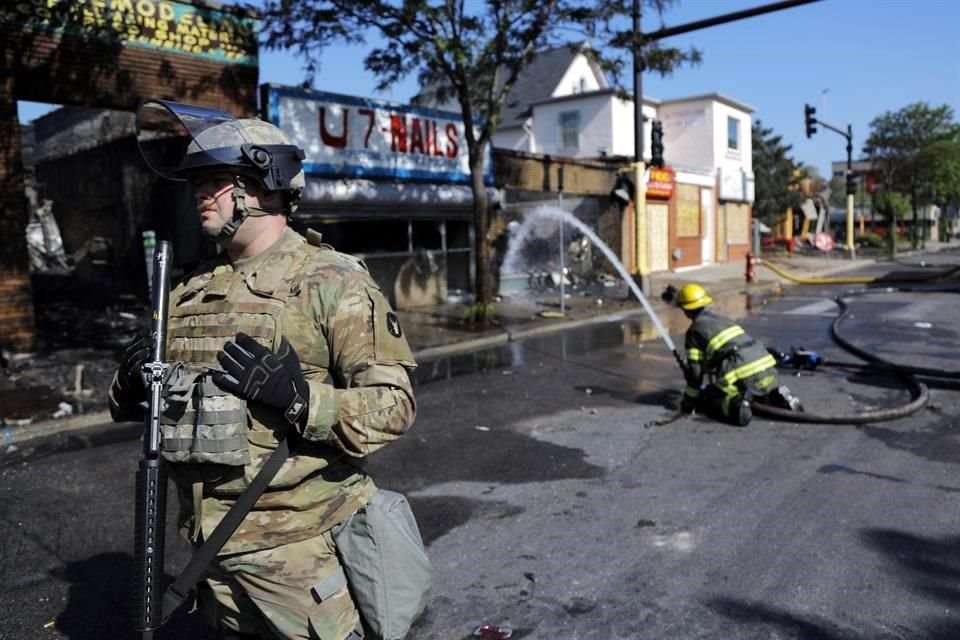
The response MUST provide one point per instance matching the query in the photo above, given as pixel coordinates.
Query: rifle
(151, 505)
(152, 604)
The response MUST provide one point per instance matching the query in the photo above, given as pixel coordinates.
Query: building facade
(699, 210)
(88, 54)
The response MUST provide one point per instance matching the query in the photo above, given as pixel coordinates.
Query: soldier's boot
(784, 398)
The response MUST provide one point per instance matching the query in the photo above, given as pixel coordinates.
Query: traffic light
(808, 113)
(851, 183)
(656, 144)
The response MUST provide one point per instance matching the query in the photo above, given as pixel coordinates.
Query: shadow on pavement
(798, 626)
(100, 598)
(929, 566)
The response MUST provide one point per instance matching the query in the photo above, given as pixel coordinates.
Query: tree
(917, 151)
(469, 52)
(776, 182)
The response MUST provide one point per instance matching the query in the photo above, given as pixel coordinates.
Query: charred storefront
(80, 181)
(389, 183)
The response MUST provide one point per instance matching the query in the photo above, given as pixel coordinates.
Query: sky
(851, 59)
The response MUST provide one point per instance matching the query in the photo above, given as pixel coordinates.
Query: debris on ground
(493, 632)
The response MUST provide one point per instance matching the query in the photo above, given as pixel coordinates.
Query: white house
(699, 206)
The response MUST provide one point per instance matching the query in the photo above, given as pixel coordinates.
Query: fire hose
(856, 279)
(874, 364)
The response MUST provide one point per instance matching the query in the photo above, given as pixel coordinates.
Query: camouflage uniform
(356, 362)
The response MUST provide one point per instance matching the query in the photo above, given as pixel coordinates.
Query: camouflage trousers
(270, 593)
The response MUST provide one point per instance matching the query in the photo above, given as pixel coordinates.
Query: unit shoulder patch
(393, 324)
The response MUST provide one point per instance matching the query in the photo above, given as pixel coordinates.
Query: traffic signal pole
(811, 121)
(851, 188)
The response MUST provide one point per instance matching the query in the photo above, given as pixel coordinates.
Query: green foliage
(468, 52)
(479, 313)
(775, 173)
(891, 205)
(870, 240)
(917, 149)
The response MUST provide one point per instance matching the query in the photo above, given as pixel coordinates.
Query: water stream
(531, 218)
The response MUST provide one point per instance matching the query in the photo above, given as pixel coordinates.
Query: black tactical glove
(130, 382)
(258, 374)
(688, 405)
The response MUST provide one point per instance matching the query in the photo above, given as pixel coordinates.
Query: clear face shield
(168, 131)
(177, 140)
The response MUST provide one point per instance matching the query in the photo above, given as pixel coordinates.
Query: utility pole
(641, 264)
(811, 121)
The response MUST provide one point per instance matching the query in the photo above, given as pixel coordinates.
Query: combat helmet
(179, 141)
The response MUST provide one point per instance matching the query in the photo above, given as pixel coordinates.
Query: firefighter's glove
(130, 376)
(258, 374)
(688, 405)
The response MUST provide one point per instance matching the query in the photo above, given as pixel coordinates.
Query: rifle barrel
(151, 477)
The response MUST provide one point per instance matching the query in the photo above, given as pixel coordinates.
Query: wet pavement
(64, 385)
(555, 502)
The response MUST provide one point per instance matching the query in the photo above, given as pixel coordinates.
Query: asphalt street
(557, 497)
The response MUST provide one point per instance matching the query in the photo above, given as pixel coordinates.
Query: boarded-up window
(688, 211)
(738, 223)
(659, 238)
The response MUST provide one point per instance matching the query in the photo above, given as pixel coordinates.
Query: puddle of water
(581, 341)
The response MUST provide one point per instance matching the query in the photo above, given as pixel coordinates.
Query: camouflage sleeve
(371, 401)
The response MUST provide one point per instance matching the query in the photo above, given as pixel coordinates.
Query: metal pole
(725, 18)
(563, 290)
(850, 244)
(642, 270)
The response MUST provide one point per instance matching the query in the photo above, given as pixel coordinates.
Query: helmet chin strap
(240, 209)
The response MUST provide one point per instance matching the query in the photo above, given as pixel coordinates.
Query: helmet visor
(166, 131)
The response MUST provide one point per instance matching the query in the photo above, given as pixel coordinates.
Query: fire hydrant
(751, 273)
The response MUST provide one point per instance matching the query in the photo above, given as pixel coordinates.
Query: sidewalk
(433, 333)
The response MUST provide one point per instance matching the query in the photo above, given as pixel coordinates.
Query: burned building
(106, 56)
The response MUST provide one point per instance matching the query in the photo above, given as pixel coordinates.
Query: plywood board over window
(659, 236)
(738, 223)
(688, 211)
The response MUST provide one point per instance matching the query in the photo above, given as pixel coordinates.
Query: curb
(15, 435)
(11, 436)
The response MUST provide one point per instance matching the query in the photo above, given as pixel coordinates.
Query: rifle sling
(177, 592)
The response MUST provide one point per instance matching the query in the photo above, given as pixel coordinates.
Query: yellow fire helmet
(693, 296)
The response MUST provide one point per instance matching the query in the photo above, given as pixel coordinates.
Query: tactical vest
(201, 423)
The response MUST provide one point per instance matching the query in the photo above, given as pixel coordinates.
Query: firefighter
(739, 370)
